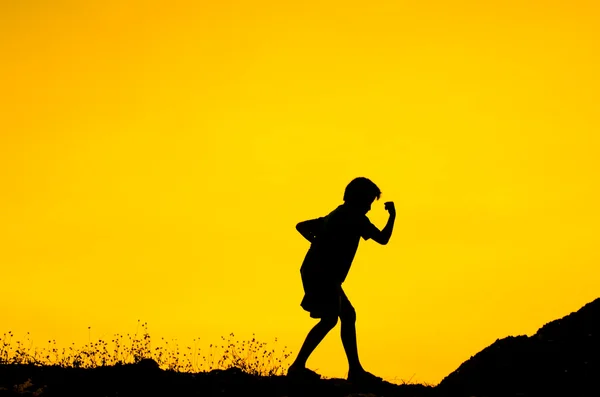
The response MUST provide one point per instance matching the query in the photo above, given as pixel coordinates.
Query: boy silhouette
(334, 240)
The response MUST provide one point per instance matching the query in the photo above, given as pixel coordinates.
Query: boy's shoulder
(347, 215)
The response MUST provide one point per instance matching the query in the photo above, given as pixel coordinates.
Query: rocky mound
(561, 359)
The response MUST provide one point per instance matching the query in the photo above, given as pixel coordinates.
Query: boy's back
(336, 239)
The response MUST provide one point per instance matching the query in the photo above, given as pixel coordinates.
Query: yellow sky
(156, 157)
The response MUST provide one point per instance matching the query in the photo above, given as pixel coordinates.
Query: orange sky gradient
(156, 157)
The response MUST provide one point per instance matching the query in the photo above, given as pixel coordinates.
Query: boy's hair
(361, 189)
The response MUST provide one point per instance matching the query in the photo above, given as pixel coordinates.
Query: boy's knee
(348, 316)
(329, 321)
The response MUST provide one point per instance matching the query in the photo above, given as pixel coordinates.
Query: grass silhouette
(132, 365)
(251, 356)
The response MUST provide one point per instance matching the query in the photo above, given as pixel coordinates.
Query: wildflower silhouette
(334, 241)
(251, 356)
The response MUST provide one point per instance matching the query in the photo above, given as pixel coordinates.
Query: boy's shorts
(324, 298)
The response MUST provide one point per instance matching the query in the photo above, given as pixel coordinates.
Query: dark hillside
(562, 359)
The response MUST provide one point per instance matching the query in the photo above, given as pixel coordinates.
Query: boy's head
(361, 192)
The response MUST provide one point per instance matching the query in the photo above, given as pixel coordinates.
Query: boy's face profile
(368, 205)
(363, 206)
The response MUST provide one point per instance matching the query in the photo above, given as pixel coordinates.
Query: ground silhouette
(561, 359)
(147, 379)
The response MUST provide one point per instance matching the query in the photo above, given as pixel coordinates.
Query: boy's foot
(363, 377)
(303, 373)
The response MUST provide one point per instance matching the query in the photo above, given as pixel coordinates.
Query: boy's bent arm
(384, 236)
(309, 229)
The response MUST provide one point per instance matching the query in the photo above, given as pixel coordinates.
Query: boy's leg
(356, 372)
(314, 337)
(348, 333)
(322, 297)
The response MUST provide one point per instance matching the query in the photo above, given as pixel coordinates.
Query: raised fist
(389, 207)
